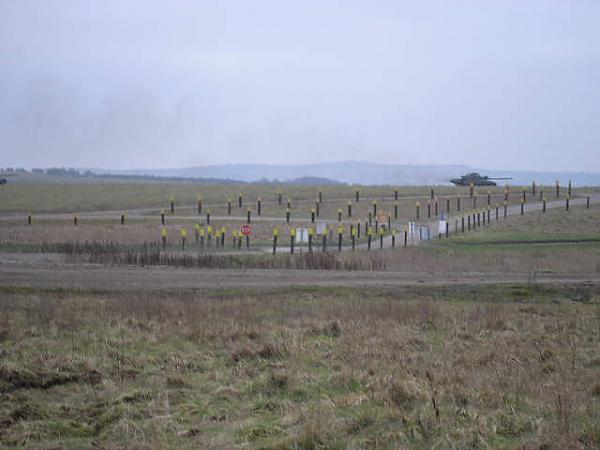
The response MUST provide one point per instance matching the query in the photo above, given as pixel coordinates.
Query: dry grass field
(460, 367)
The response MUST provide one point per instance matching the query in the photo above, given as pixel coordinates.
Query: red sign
(246, 230)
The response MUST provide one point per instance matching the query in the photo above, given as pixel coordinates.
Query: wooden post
(489, 197)
(478, 219)
(292, 237)
(488, 213)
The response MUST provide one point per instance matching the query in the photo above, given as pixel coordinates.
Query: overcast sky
(146, 84)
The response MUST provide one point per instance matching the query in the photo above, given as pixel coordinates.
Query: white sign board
(442, 227)
(321, 227)
(301, 234)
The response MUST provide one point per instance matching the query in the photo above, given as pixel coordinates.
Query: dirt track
(35, 271)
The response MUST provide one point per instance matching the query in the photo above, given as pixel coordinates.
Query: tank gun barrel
(499, 178)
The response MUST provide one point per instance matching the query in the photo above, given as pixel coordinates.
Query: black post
(240, 200)
(436, 207)
(122, 219)
(312, 216)
(567, 203)
(389, 222)
(462, 224)
(432, 194)
(569, 190)
(469, 222)
(208, 217)
(317, 209)
(287, 216)
(458, 204)
(587, 202)
(258, 206)
(248, 215)
(172, 206)
(489, 198)
(339, 215)
(29, 218)
(496, 211)
(488, 213)
(533, 188)
(320, 196)
(522, 207)
(478, 219)
(357, 196)
(395, 210)
(405, 237)
(544, 205)
(279, 198)
(324, 242)
(247, 242)
(396, 194)
(524, 198)
(505, 208)
(369, 239)
(358, 230)
(289, 204)
(274, 242)
(447, 230)
(349, 209)
(292, 242)
(228, 206)
(380, 241)
(310, 238)
(339, 242)
(418, 207)
(75, 220)
(353, 241)
(374, 208)
(199, 206)
(448, 205)
(429, 209)
(557, 188)
(162, 217)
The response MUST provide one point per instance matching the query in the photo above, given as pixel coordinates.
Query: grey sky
(138, 83)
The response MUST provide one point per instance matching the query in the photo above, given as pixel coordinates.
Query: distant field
(462, 367)
(79, 195)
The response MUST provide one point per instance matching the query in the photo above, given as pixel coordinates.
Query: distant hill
(356, 172)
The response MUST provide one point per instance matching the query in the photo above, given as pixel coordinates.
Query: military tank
(477, 180)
